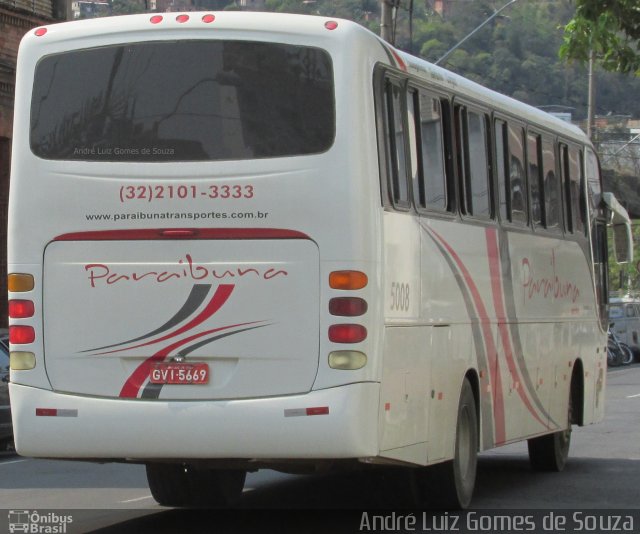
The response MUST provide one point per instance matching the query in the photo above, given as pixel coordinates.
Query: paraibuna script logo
(102, 274)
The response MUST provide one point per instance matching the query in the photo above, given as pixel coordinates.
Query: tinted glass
(552, 199)
(501, 169)
(478, 166)
(432, 151)
(533, 143)
(184, 101)
(396, 142)
(517, 183)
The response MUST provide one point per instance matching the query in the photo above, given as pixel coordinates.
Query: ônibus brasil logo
(38, 523)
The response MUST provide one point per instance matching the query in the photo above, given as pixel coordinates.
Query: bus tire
(449, 485)
(551, 452)
(183, 485)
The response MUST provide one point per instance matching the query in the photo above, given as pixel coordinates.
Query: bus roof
(170, 25)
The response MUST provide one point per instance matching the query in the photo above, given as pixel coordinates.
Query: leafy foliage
(515, 54)
(611, 29)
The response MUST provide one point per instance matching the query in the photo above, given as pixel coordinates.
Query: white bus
(243, 241)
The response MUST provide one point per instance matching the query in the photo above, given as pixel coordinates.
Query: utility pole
(591, 99)
(386, 20)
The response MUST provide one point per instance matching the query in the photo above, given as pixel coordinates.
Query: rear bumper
(269, 428)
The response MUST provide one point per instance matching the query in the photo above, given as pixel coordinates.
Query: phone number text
(149, 193)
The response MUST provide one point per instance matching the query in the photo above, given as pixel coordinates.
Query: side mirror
(620, 223)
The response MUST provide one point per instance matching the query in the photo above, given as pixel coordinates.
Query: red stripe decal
(400, 61)
(222, 294)
(182, 233)
(139, 376)
(492, 351)
(496, 286)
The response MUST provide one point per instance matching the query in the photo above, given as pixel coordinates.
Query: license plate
(180, 373)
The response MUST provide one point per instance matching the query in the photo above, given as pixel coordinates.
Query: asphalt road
(603, 474)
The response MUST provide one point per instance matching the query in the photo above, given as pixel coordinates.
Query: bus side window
(474, 162)
(600, 269)
(551, 188)
(517, 180)
(571, 168)
(430, 182)
(502, 169)
(396, 144)
(594, 184)
(534, 150)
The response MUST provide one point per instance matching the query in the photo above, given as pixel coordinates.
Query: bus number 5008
(399, 296)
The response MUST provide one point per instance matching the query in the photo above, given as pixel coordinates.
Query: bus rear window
(183, 101)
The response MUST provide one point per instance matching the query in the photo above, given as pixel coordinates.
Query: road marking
(633, 396)
(138, 499)
(12, 462)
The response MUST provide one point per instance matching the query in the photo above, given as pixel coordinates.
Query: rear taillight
(347, 306)
(21, 334)
(21, 309)
(347, 360)
(347, 280)
(347, 333)
(20, 283)
(22, 361)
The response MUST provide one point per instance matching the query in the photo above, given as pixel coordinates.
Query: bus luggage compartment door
(196, 319)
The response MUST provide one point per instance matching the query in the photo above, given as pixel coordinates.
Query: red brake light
(347, 306)
(21, 309)
(331, 25)
(21, 334)
(156, 19)
(40, 32)
(182, 18)
(347, 333)
(209, 18)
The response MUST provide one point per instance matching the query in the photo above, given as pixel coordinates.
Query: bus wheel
(550, 452)
(449, 485)
(183, 485)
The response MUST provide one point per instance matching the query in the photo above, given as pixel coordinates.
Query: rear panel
(180, 213)
(248, 309)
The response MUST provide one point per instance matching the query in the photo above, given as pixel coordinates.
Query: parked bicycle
(618, 353)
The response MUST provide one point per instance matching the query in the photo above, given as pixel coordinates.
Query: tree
(610, 29)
